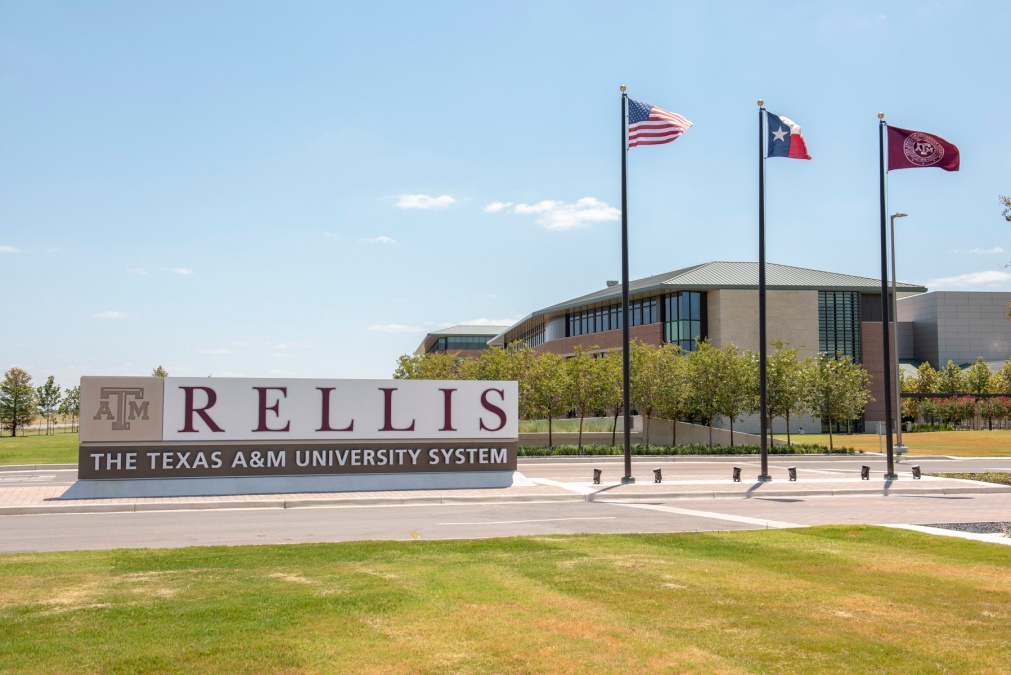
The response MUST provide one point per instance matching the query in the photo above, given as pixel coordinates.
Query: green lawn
(958, 443)
(59, 448)
(860, 599)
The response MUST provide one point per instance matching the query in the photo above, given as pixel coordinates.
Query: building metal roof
(464, 330)
(724, 275)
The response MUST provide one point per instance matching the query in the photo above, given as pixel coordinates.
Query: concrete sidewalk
(28, 497)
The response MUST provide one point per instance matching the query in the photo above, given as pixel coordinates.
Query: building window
(839, 324)
(452, 343)
(600, 319)
(684, 318)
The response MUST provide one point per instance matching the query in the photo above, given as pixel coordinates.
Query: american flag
(649, 125)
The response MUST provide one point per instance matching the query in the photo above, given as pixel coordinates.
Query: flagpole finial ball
(760, 103)
(881, 116)
(622, 87)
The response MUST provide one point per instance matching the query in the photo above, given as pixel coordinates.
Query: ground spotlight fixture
(865, 472)
(737, 474)
(916, 471)
(657, 475)
(793, 472)
(596, 476)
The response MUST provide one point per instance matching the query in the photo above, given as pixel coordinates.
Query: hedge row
(661, 450)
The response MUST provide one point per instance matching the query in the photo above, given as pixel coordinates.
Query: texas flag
(785, 139)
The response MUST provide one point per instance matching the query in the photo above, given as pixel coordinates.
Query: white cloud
(396, 328)
(989, 279)
(215, 351)
(293, 344)
(239, 343)
(381, 239)
(423, 202)
(329, 235)
(183, 271)
(495, 207)
(9, 249)
(981, 251)
(557, 215)
(110, 314)
(136, 270)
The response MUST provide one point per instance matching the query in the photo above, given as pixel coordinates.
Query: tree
(740, 387)
(836, 390)
(676, 387)
(646, 373)
(950, 379)
(17, 400)
(612, 380)
(1001, 381)
(70, 406)
(434, 366)
(586, 388)
(926, 379)
(717, 383)
(977, 377)
(544, 389)
(47, 399)
(159, 372)
(784, 384)
(1006, 202)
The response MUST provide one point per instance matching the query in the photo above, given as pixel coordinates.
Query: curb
(284, 504)
(37, 467)
(844, 492)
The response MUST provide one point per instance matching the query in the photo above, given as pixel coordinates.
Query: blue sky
(305, 189)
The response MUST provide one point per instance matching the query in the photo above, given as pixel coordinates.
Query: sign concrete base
(265, 485)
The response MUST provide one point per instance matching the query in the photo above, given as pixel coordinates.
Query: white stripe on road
(709, 514)
(543, 520)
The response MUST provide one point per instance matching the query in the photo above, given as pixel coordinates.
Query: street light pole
(895, 344)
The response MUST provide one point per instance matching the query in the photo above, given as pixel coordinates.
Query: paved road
(62, 531)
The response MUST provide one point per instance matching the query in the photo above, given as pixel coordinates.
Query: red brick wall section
(873, 363)
(608, 340)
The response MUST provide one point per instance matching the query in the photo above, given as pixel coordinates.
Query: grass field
(59, 448)
(957, 443)
(824, 599)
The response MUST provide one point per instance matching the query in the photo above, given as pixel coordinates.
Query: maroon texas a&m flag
(916, 149)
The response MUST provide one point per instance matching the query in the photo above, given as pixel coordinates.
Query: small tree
(740, 391)
(47, 400)
(926, 379)
(17, 400)
(585, 389)
(70, 406)
(676, 393)
(545, 388)
(714, 377)
(978, 376)
(612, 375)
(434, 366)
(836, 390)
(646, 369)
(159, 372)
(784, 384)
(1000, 383)
(950, 379)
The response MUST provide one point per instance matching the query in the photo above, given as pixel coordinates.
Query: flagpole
(886, 342)
(625, 360)
(762, 355)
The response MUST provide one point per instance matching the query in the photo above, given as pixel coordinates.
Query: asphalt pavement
(553, 496)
